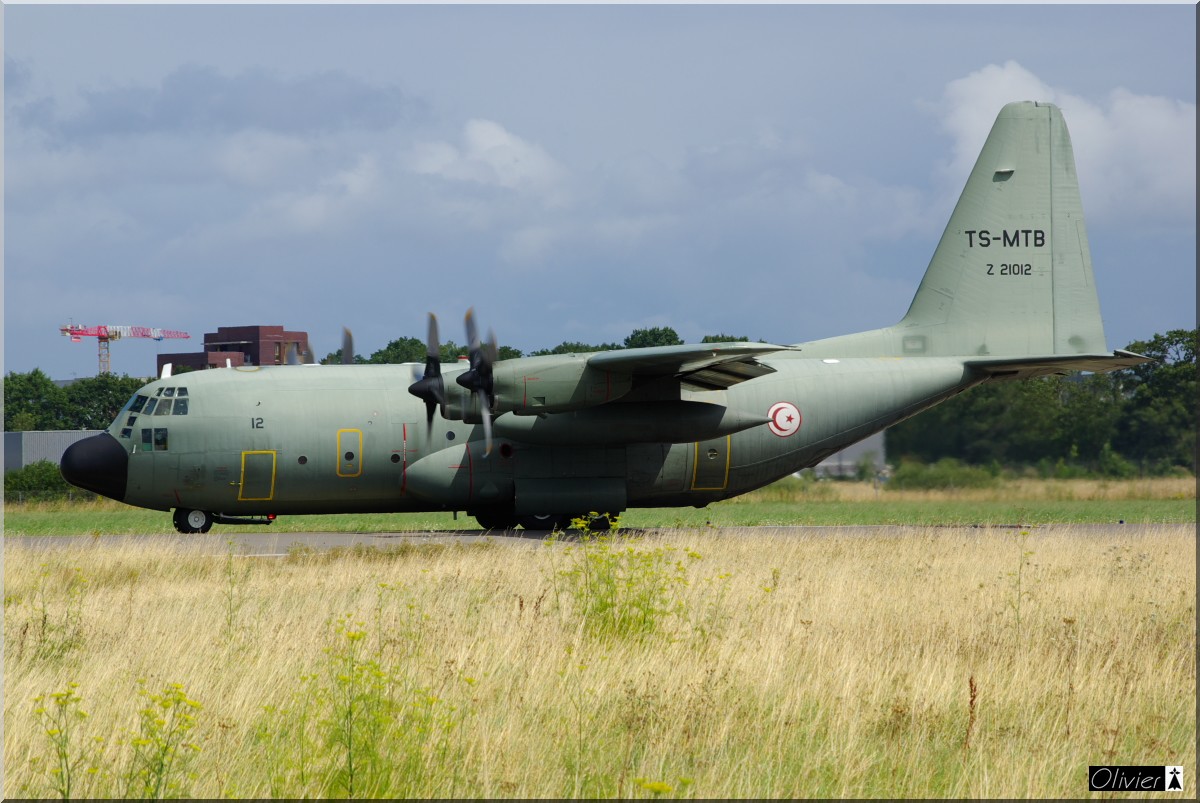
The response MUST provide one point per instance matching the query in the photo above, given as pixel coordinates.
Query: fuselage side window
(147, 439)
(160, 440)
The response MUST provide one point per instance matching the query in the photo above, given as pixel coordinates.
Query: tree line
(1137, 421)
(411, 349)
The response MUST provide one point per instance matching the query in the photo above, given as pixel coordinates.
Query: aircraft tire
(192, 521)
(496, 520)
(545, 521)
(601, 523)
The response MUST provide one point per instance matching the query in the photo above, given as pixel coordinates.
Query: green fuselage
(330, 439)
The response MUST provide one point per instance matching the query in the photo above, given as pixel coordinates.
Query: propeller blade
(493, 350)
(433, 346)
(472, 330)
(487, 429)
(430, 388)
(478, 378)
(347, 347)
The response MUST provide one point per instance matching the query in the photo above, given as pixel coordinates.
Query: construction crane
(106, 334)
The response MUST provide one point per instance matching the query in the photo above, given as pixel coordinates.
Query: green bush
(945, 473)
(39, 481)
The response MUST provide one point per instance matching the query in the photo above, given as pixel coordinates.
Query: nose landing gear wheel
(192, 521)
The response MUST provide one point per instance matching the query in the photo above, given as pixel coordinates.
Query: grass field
(938, 662)
(790, 501)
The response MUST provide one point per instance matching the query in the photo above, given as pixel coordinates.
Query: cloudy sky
(779, 172)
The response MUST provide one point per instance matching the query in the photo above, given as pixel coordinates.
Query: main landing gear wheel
(192, 521)
(496, 520)
(602, 522)
(599, 523)
(545, 521)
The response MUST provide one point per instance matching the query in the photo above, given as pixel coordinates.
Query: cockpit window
(137, 403)
(181, 392)
(181, 406)
(158, 392)
(168, 392)
(164, 407)
(150, 405)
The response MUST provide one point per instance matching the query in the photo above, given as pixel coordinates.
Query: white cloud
(329, 205)
(1138, 157)
(491, 155)
(257, 158)
(969, 106)
(1135, 154)
(529, 244)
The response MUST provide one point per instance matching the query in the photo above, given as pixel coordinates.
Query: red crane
(106, 334)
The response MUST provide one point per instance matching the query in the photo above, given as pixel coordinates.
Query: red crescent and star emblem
(785, 419)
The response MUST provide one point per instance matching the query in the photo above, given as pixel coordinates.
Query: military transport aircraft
(538, 441)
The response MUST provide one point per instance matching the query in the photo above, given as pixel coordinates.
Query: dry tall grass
(935, 662)
(1028, 490)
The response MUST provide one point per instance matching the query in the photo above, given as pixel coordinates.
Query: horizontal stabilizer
(1045, 365)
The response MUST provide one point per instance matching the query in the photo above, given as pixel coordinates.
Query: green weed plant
(619, 588)
(163, 747)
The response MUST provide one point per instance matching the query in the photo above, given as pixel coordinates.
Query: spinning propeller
(431, 388)
(294, 357)
(478, 378)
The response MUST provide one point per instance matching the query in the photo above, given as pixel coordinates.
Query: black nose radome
(98, 464)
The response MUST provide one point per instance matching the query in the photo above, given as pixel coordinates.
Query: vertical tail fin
(1012, 274)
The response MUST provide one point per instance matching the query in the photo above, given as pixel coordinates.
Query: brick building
(240, 345)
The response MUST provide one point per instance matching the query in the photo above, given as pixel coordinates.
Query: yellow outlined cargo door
(710, 466)
(350, 443)
(258, 477)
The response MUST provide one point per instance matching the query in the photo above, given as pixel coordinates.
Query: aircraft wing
(1027, 367)
(700, 366)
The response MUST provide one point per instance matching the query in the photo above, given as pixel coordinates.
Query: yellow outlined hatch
(258, 477)
(349, 452)
(710, 466)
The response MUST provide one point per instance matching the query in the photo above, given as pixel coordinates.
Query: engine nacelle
(552, 383)
(629, 422)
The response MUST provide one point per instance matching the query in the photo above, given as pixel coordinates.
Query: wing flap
(699, 366)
